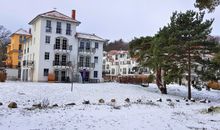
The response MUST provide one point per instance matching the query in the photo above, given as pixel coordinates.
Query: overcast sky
(110, 19)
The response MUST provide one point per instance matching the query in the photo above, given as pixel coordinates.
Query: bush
(51, 77)
(150, 78)
(2, 76)
(214, 85)
(133, 79)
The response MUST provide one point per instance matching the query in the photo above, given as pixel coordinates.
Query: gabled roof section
(21, 32)
(90, 37)
(54, 15)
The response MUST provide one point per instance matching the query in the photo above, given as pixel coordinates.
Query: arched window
(57, 44)
(61, 43)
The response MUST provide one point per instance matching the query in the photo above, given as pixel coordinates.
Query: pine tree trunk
(189, 73)
(159, 83)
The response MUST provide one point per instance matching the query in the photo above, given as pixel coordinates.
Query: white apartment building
(116, 63)
(56, 48)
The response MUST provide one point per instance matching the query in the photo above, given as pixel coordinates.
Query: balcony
(87, 50)
(63, 49)
(62, 63)
(83, 65)
(28, 63)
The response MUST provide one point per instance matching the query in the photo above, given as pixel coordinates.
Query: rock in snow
(12, 105)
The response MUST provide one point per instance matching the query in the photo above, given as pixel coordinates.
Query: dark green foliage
(116, 45)
(207, 4)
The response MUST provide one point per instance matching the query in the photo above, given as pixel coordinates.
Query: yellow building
(14, 48)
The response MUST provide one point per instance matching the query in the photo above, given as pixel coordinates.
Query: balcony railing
(28, 63)
(87, 50)
(67, 48)
(62, 63)
(86, 65)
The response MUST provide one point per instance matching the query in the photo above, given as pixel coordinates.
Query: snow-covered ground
(147, 115)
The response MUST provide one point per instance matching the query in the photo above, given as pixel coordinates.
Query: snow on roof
(21, 32)
(89, 36)
(55, 15)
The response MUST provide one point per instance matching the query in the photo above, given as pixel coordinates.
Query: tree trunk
(159, 83)
(189, 73)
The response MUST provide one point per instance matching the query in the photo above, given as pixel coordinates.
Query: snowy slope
(146, 115)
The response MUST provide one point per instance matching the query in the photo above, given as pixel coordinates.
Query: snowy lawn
(147, 114)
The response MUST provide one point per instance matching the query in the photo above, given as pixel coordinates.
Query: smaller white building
(119, 63)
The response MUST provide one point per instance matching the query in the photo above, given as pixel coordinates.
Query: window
(47, 39)
(59, 26)
(46, 71)
(113, 71)
(128, 62)
(57, 44)
(95, 74)
(88, 46)
(20, 39)
(68, 29)
(81, 45)
(64, 60)
(107, 67)
(81, 59)
(116, 57)
(47, 56)
(124, 70)
(20, 47)
(57, 59)
(48, 26)
(96, 59)
(28, 50)
(87, 61)
(97, 45)
(64, 46)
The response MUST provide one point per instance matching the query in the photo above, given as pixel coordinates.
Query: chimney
(74, 14)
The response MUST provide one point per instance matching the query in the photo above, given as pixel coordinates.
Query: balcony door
(64, 60)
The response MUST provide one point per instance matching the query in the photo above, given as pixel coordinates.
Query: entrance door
(85, 75)
(63, 76)
(56, 75)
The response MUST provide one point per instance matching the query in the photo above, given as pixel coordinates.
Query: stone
(208, 101)
(70, 104)
(127, 100)
(86, 102)
(101, 101)
(192, 100)
(139, 100)
(1, 103)
(37, 105)
(113, 100)
(211, 109)
(177, 100)
(55, 105)
(187, 103)
(203, 101)
(117, 107)
(169, 100)
(12, 105)
(159, 100)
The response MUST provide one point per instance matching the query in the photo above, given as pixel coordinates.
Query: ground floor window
(46, 71)
(95, 74)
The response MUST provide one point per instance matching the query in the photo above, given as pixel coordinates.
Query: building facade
(14, 48)
(119, 63)
(56, 48)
